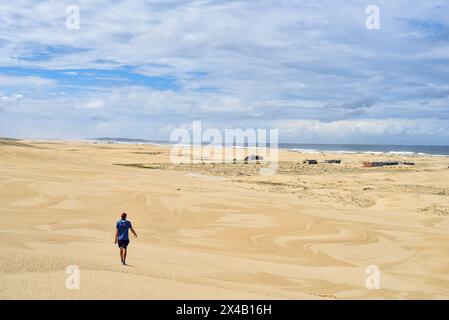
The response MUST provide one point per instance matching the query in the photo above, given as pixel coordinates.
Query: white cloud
(298, 63)
(10, 101)
(9, 81)
(94, 104)
(13, 98)
(357, 130)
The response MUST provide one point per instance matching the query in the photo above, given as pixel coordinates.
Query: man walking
(121, 235)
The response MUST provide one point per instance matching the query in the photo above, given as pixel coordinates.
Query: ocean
(368, 148)
(336, 148)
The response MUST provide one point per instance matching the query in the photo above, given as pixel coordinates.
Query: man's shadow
(130, 265)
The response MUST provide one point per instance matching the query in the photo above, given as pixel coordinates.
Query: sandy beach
(219, 231)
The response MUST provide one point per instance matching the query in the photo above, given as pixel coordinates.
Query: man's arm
(134, 232)
(116, 235)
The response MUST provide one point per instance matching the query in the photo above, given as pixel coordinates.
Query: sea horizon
(344, 148)
(434, 150)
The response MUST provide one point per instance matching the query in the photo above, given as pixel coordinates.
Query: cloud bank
(310, 68)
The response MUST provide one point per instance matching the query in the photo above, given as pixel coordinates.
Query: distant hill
(8, 139)
(130, 140)
(119, 139)
(13, 142)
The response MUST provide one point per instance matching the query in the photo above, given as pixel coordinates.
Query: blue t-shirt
(123, 227)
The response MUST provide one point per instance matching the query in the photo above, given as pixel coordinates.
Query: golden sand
(219, 231)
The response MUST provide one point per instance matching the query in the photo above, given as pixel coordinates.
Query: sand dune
(219, 231)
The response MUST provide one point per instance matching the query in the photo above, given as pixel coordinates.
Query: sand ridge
(219, 230)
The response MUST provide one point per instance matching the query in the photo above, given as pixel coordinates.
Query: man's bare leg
(121, 254)
(125, 251)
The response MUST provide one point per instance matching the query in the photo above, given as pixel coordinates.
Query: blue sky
(309, 68)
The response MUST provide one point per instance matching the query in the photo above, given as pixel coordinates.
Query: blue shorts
(123, 243)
